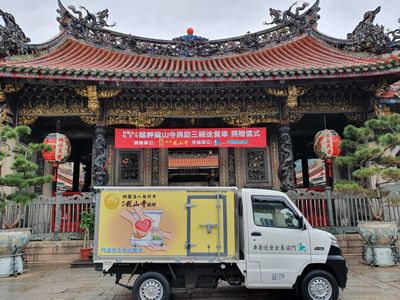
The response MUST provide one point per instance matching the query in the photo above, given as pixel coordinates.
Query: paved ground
(48, 282)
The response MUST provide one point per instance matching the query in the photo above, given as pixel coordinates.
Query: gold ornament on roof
(292, 93)
(8, 89)
(93, 94)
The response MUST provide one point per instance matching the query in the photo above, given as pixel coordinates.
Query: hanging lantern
(326, 144)
(61, 148)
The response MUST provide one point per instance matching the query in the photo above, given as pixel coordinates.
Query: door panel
(207, 221)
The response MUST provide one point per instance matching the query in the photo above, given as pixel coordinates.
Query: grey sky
(213, 19)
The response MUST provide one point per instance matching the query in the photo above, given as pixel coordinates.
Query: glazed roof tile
(305, 57)
(393, 91)
(198, 162)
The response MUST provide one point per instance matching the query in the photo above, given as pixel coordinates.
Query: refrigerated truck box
(169, 225)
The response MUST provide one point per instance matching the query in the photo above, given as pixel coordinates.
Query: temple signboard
(126, 138)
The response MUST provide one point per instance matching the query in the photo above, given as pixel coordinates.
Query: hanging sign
(191, 138)
(327, 144)
(61, 148)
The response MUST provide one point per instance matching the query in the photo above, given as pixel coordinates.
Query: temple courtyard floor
(59, 281)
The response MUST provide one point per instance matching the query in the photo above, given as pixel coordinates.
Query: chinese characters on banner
(191, 138)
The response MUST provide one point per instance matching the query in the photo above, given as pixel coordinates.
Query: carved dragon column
(100, 173)
(285, 173)
(288, 104)
(99, 161)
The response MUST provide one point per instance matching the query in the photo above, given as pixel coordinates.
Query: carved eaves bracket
(379, 88)
(292, 93)
(9, 89)
(140, 120)
(246, 120)
(93, 94)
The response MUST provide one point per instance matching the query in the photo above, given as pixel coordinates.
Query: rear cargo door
(207, 222)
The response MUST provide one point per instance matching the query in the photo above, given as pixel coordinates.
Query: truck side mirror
(302, 225)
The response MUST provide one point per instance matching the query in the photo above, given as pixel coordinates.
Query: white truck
(194, 237)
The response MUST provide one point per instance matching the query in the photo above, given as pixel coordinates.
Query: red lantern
(190, 31)
(61, 148)
(327, 144)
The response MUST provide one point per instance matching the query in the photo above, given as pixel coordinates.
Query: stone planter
(380, 238)
(12, 243)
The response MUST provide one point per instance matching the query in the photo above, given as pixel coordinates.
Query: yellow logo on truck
(111, 202)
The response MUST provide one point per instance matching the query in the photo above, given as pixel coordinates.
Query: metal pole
(328, 192)
(58, 215)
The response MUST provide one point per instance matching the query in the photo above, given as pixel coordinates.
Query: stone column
(99, 160)
(163, 167)
(286, 174)
(223, 167)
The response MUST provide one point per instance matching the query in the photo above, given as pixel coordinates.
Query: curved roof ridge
(94, 29)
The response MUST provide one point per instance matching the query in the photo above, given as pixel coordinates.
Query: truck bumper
(338, 264)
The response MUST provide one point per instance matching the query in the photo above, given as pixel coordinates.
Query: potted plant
(370, 150)
(87, 225)
(16, 189)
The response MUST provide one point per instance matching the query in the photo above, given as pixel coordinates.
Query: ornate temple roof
(293, 49)
(392, 94)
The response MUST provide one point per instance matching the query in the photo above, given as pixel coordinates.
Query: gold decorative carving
(90, 120)
(107, 93)
(4, 113)
(379, 88)
(93, 94)
(25, 120)
(8, 89)
(327, 105)
(382, 110)
(90, 92)
(277, 92)
(245, 120)
(293, 118)
(28, 114)
(12, 88)
(46, 111)
(292, 93)
(140, 120)
(354, 117)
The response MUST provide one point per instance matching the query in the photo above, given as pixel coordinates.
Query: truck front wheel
(319, 285)
(151, 286)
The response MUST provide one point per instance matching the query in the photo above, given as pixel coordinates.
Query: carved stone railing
(53, 218)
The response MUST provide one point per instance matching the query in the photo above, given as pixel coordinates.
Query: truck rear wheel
(151, 286)
(319, 285)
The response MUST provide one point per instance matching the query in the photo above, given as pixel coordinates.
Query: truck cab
(254, 238)
(281, 248)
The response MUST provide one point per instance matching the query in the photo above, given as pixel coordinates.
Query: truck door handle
(256, 234)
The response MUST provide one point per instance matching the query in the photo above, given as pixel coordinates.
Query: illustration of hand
(166, 235)
(140, 225)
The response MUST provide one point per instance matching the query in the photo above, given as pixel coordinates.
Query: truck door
(277, 247)
(207, 220)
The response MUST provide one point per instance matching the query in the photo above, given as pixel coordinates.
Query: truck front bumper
(338, 264)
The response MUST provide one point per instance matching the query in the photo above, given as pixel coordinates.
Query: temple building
(239, 111)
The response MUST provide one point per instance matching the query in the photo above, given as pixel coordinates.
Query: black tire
(155, 282)
(329, 289)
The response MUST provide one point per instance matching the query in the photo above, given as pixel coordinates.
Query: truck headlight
(334, 241)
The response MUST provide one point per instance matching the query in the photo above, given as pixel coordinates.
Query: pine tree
(24, 175)
(369, 150)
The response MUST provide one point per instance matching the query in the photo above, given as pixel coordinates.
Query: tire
(151, 286)
(319, 285)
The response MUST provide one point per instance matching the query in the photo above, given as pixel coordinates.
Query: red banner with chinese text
(191, 138)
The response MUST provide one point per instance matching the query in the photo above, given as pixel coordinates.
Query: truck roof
(189, 188)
